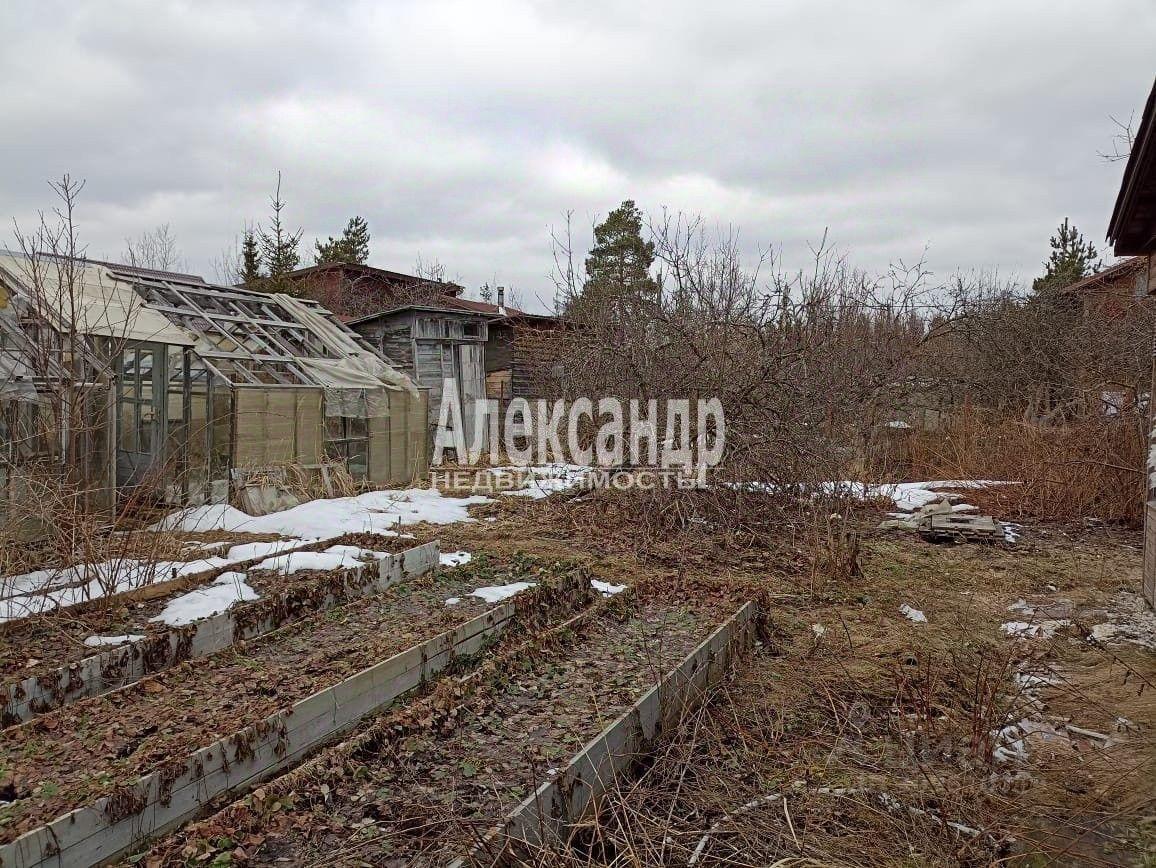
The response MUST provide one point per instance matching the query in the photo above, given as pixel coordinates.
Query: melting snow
(545, 479)
(362, 554)
(250, 551)
(453, 601)
(203, 519)
(229, 588)
(455, 559)
(373, 512)
(101, 641)
(913, 614)
(497, 593)
(607, 589)
(1038, 630)
(44, 590)
(295, 561)
(908, 496)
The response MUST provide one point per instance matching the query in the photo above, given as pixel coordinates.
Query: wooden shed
(434, 343)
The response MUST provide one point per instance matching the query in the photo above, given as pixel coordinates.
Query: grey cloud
(463, 131)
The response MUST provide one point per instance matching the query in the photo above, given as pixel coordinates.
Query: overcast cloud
(463, 131)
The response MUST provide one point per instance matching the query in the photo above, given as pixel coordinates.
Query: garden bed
(42, 644)
(428, 797)
(72, 756)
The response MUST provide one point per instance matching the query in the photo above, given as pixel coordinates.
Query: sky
(961, 133)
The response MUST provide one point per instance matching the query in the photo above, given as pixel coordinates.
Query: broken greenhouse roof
(85, 297)
(251, 338)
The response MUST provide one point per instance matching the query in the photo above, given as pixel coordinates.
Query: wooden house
(352, 291)
(1132, 232)
(489, 350)
(435, 343)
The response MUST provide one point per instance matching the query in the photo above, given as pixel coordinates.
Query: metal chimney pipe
(501, 296)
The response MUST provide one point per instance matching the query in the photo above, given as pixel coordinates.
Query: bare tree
(65, 326)
(1122, 141)
(227, 268)
(155, 249)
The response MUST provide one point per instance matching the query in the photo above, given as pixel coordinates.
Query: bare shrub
(59, 501)
(805, 364)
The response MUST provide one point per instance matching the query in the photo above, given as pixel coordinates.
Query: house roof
(453, 304)
(1123, 268)
(498, 311)
(1132, 229)
(445, 286)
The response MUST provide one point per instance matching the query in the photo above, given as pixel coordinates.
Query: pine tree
(356, 241)
(250, 258)
(351, 247)
(620, 260)
(279, 246)
(618, 267)
(1071, 259)
(486, 293)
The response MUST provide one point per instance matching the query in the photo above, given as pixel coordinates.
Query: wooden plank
(1149, 579)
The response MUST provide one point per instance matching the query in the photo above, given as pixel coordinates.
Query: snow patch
(202, 519)
(229, 588)
(362, 554)
(296, 561)
(102, 641)
(1037, 630)
(497, 593)
(606, 589)
(379, 512)
(543, 480)
(45, 590)
(251, 551)
(455, 559)
(913, 614)
(908, 496)
(453, 601)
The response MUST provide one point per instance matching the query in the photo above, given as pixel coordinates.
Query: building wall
(536, 355)
(393, 338)
(432, 347)
(1149, 569)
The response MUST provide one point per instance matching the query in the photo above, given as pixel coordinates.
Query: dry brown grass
(861, 746)
(1093, 468)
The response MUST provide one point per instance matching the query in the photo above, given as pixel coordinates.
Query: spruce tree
(1072, 258)
(250, 258)
(279, 246)
(355, 240)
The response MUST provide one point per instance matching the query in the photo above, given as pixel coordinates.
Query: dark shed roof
(444, 286)
(1132, 230)
(1123, 268)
